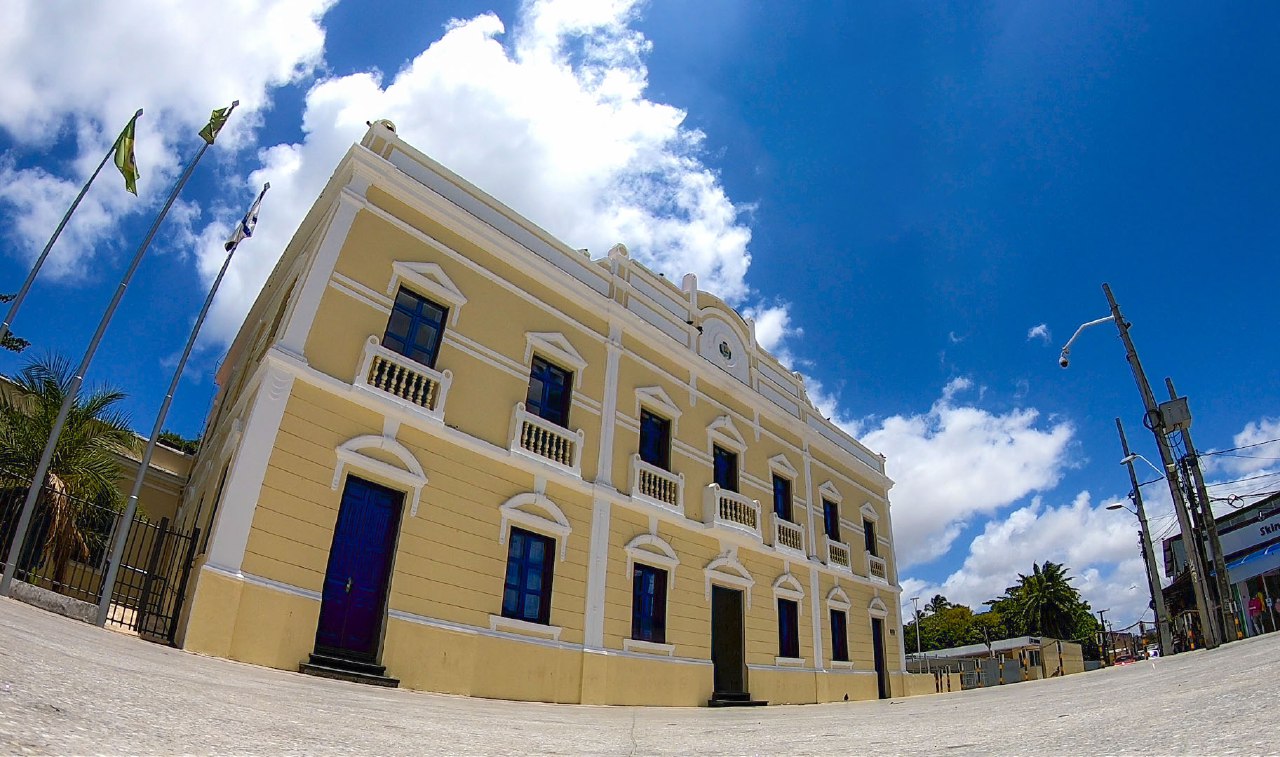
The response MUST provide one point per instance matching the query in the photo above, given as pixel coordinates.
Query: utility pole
(1210, 525)
(1155, 421)
(915, 607)
(1102, 633)
(1148, 552)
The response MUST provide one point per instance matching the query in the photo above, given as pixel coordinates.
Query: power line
(1233, 449)
(1242, 480)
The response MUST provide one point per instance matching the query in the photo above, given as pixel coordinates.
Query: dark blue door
(355, 583)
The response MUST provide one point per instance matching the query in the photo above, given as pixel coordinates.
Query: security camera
(1062, 361)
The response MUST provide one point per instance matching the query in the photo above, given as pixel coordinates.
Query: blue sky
(918, 202)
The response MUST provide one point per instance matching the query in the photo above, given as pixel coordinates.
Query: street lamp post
(915, 608)
(1148, 552)
(1154, 420)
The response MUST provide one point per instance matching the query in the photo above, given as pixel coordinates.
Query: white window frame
(522, 510)
(658, 402)
(727, 571)
(838, 600)
(787, 586)
(428, 280)
(655, 552)
(555, 348)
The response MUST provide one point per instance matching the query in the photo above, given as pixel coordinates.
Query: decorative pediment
(877, 608)
(787, 587)
(657, 400)
(723, 346)
(837, 599)
(651, 549)
(536, 513)
(829, 492)
(723, 432)
(429, 280)
(408, 473)
(727, 571)
(780, 464)
(555, 347)
(869, 512)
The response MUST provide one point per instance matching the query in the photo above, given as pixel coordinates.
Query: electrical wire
(1233, 449)
(1242, 480)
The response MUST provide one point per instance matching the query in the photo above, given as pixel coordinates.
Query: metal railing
(657, 486)
(731, 510)
(540, 438)
(406, 380)
(787, 536)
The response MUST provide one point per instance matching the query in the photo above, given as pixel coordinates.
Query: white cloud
(1098, 546)
(956, 462)
(80, 73)
(555, 124)
(1040, 332)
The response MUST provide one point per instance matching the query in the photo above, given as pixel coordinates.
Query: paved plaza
(70, 688)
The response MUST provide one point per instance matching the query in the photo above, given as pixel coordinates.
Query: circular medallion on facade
(725, 352)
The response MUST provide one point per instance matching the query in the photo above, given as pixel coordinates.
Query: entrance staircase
(341, 669)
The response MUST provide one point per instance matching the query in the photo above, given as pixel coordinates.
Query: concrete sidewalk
(69, 688)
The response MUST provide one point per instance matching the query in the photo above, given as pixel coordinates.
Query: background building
(452, 452)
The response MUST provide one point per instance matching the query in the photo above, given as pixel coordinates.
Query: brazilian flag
(216, 120)
(125, 159)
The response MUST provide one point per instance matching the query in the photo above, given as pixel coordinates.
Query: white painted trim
(316, 279)
(779, 464)
(837, 599)
(656, 400)
(230, 534)
(869, 512)
(877, 608)
(724, 433)
(268, 583)
(648, 647)
(524, 627)
(551, 523)
(726, 570)
(428, 280)
(597, 574)
(789, 662)
(787, 586)
(555, 347)
(609, 408)
(829, 492)
(359, 292)
(842, 664)
(412, 475)
(651, 549)
(343, 390)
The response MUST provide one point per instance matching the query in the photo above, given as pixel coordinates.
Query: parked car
(1125, 659)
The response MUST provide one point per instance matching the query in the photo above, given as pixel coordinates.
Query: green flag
(125, 160)
(216, 120)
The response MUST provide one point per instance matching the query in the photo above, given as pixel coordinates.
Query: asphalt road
(69, 688)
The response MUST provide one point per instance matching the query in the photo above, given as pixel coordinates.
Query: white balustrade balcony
(725, 509)
(408, 381)
(652, 484)
(837, 555)
(878, 569)
(543, 440)
(787, 536)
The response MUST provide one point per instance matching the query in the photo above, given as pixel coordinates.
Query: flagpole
(31, 277)
(121, 534)
(37, 481)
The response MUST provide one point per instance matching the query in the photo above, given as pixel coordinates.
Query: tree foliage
(83, 472)
(1042, 603)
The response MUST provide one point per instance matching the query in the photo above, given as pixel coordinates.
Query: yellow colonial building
(451, 452)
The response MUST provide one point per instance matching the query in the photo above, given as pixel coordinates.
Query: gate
(67, 551)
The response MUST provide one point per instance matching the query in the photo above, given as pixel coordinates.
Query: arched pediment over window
(727, 571)
(877, 608)
(536, 513)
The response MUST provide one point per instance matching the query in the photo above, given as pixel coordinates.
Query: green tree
(11, 342)
(174, 440)
(83, 468)
(937, 604)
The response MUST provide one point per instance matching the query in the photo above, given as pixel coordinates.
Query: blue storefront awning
(1255, 563)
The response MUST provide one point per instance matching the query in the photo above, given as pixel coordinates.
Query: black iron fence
(68, 546)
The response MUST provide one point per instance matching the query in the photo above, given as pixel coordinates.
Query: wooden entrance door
(877, 645)
(728, 656)
(354, 602)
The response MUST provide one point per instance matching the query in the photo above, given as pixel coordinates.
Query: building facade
(452, 452)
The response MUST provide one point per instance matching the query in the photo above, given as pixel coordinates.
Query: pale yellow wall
(450, 561)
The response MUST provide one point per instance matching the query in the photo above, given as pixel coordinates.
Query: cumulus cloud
(75, 78)
(1247, 472)
(1097, 545)
(1040, 331)
(555, 123)
(956, 462)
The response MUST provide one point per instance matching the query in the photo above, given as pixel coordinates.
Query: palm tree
(83, 470)
(1045, 601)
(937, 604)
